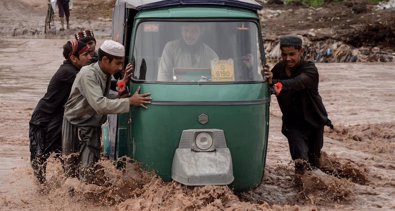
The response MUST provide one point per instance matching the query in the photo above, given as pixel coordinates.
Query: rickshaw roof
(153, 4)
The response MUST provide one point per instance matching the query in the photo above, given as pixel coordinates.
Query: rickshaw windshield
(172, 51)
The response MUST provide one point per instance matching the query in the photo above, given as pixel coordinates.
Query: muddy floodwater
(358, 158)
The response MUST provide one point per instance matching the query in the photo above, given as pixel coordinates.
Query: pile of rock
(331, 51)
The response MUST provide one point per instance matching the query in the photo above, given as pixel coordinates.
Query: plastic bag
(53, 4)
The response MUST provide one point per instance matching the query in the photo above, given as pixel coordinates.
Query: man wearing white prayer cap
(113, 48)
(87, 107)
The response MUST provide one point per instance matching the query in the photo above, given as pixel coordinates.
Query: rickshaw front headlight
(204, 141)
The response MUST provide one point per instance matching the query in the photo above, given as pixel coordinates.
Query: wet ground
(358, 158)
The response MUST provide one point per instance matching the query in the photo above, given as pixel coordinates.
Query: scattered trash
(331, 51)
(386, 5)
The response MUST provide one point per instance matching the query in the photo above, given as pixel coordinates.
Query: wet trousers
(71, 148)
(45, 138)
(81, 150)
(305, 143)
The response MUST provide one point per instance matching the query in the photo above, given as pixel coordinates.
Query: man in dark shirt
(304, 115)
(46, 121)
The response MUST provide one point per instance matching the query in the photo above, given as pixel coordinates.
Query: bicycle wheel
(48, 19)
(51, 17)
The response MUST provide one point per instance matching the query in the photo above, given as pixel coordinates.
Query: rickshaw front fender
(195, 166)
(202, 168)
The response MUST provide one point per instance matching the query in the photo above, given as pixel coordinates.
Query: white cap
(113, 48)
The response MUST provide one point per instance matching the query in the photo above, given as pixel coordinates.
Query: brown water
(359, 153)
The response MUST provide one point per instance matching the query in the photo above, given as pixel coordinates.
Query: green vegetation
(313, 3)
(318, 3)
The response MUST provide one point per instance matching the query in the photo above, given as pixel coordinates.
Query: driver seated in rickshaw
(186, 59)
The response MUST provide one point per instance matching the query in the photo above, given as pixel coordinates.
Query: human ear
(301, 52)
(74, 59)
(106, 60)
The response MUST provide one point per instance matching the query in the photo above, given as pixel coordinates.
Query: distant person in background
(46, 121)
(64, 11)
(88, 38)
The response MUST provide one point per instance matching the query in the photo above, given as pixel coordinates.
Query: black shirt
(52, 104)
(299, 99)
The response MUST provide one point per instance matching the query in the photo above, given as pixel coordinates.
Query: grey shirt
(88, 103)
(177, 55)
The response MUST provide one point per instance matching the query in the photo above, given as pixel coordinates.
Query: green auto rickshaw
(209, 117)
